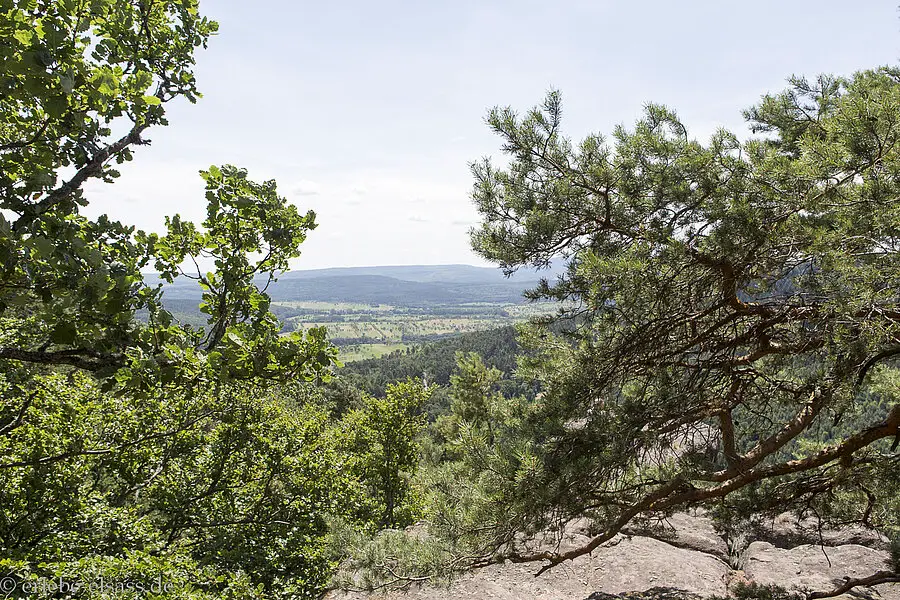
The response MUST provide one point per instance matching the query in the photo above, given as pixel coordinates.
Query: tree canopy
(133, 448)
(734, 310)
(76, 76)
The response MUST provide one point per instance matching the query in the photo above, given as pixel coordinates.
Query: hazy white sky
(369, 112)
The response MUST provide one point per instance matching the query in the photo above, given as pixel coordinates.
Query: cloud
(464, 223)
(418, 219)
(360, 190)
(306, 188)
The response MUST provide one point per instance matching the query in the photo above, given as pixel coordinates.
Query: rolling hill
(417, 285)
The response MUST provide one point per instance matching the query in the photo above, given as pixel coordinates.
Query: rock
(786, 531)
(574, 535)
(691, 565)
(689, 531)
(651, 594)
(627, 564)
(817, 568)
(580, 526)
(641, 563)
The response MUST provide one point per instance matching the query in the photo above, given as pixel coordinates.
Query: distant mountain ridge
(401, 285)
(457, 273)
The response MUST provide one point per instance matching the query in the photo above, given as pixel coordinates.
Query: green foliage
(483, 441)
(134, 576)
(464, 457)
(190, 485)
(381, 437)
(475, 400)
(390, 558)
(735, 315)
(244, 219)
(74, 73)
(137, 451)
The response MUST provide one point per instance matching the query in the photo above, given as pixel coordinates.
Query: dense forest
(727, 328)
(435, 362)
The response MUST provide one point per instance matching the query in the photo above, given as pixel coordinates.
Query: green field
(394, 329)
(367, 331)
(354, 352)
(334, 306)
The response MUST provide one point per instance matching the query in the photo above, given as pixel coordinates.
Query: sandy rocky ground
(684, 557)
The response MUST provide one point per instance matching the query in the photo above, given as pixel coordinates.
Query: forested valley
(709, 325)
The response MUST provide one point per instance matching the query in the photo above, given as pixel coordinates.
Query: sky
(369, 113)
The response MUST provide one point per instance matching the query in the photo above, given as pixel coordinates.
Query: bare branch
(875, 579)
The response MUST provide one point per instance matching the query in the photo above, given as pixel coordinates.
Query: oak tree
(133, 446)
